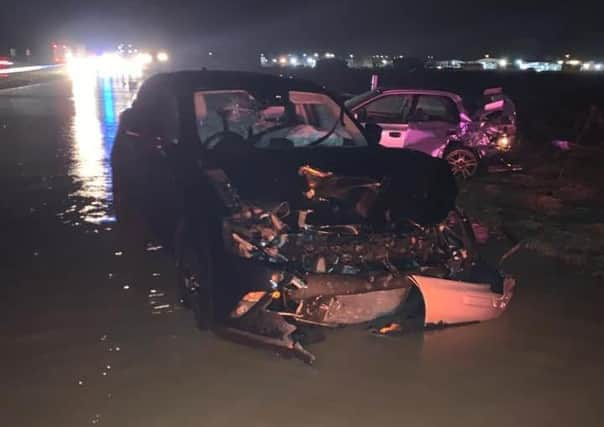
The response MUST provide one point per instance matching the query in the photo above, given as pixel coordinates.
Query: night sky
(464, 29)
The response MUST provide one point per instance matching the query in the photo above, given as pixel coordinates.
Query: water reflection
(97, 103)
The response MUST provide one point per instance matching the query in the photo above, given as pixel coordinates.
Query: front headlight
(503, 143)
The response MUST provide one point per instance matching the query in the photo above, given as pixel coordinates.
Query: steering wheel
(213, 140)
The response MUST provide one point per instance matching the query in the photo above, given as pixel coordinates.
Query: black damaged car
(283, 213)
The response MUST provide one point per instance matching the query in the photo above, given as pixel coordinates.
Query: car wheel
(195, 275)
(463, 162)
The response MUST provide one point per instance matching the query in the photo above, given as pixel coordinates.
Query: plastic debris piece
(391, 328)
(157, 295)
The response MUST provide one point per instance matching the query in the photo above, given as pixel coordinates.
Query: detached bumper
(449, 302)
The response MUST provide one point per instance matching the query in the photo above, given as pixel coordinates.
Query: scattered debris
(390, 329)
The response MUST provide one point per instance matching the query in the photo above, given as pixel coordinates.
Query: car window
(388, 109)
(435, 108)
(158, 110)
(279, 121)
(360, 99)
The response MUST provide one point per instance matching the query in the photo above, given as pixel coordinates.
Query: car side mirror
(373, 133)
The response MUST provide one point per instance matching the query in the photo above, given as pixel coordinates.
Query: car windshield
(294, 119)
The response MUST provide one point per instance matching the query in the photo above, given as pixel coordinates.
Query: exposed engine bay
(342, 259)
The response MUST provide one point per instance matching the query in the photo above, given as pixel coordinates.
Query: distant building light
(275, 60)
(519, 62)
(503, 63)
(283, 60)
(293, 61)
(560, 62)
(598, 67)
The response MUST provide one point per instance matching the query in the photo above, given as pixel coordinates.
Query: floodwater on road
(93, 334)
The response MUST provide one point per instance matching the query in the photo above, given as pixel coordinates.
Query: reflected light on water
(89, 158)
(95, 102)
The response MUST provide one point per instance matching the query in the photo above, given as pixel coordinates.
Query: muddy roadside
(554, 207)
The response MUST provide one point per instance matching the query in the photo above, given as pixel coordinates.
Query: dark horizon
(442, 29)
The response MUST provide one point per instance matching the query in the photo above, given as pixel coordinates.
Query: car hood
(406, 184)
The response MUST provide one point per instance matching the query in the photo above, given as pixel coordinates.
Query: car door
(433, 120)
(391, 113)
(154, 139)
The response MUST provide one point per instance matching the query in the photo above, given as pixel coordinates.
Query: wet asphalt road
(91, 333)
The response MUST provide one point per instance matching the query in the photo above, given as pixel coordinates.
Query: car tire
(195, 282)
(464, 162)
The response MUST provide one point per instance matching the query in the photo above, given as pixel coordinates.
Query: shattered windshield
(291, 120)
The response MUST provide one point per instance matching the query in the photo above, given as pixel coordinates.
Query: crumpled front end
(341, 258)
(494, 129)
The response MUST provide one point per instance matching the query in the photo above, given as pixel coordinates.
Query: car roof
(188, 81)
(420, 92)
